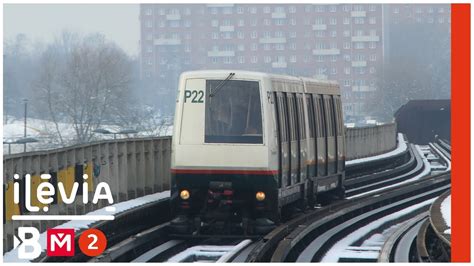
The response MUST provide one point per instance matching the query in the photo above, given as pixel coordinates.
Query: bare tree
(83, 81)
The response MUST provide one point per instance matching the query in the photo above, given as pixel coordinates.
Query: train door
(312, 149)
(294, 143)
(321, 140)
(330, 132)
(340, 133)
(303, 146)
(281, 110)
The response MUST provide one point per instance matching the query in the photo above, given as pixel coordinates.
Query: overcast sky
(119, 22)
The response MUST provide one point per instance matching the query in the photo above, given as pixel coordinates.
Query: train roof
(256, 74)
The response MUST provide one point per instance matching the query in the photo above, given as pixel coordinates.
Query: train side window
(339, 118)
(301, 117)
(330, 114)
(311, 118)
(292, 113)
(283, 117)
(322, 116)
(317, 112)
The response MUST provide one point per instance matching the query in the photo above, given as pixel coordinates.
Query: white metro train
(247, 145)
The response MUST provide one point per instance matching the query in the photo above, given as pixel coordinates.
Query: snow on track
(208, 253)
(401, 147)
(426, 171)
(446, 213)
(343, 247)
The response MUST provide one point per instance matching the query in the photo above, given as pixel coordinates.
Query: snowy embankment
(446, 213)
(401, 147)
(115, 209)
(46, 134)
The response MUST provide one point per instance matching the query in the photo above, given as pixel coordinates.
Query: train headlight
(260, 196)
(184, 194)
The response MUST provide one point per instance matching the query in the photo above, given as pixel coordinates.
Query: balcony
(358, 14)
(320, 27)
(220, 53)
(359, 63)
(279, 64)
(173, 17)
(320, 76)
(367, 38)
(167, 41)
(362, 88)
(273, 40)
(226, 28)
(278, 15)
(332, 51)
(220, 5)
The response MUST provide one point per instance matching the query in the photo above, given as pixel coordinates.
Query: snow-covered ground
(12, 256)
(45, 132)
(401, 147)
(446, 213)
(371, 247)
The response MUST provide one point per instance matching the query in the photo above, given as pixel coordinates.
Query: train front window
(233, 112)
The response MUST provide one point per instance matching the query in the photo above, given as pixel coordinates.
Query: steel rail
(124, 225)
(390, 178)
(398, 246)
(286, 241)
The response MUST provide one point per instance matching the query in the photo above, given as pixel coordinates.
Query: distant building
(343, 42)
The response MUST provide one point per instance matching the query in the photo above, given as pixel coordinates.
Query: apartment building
(342, 42)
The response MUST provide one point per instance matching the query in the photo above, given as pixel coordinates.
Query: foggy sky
(119, 22)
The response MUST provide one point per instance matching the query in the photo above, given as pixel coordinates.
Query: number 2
(94, 240)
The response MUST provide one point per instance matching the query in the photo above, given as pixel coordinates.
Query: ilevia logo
(59, 242)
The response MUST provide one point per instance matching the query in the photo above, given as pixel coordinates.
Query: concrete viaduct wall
(131, 167)
(369, 141)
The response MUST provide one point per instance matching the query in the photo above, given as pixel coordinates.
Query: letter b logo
(60, 242)
(22, 243)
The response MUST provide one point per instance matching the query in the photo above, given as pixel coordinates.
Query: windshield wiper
(220, 85)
